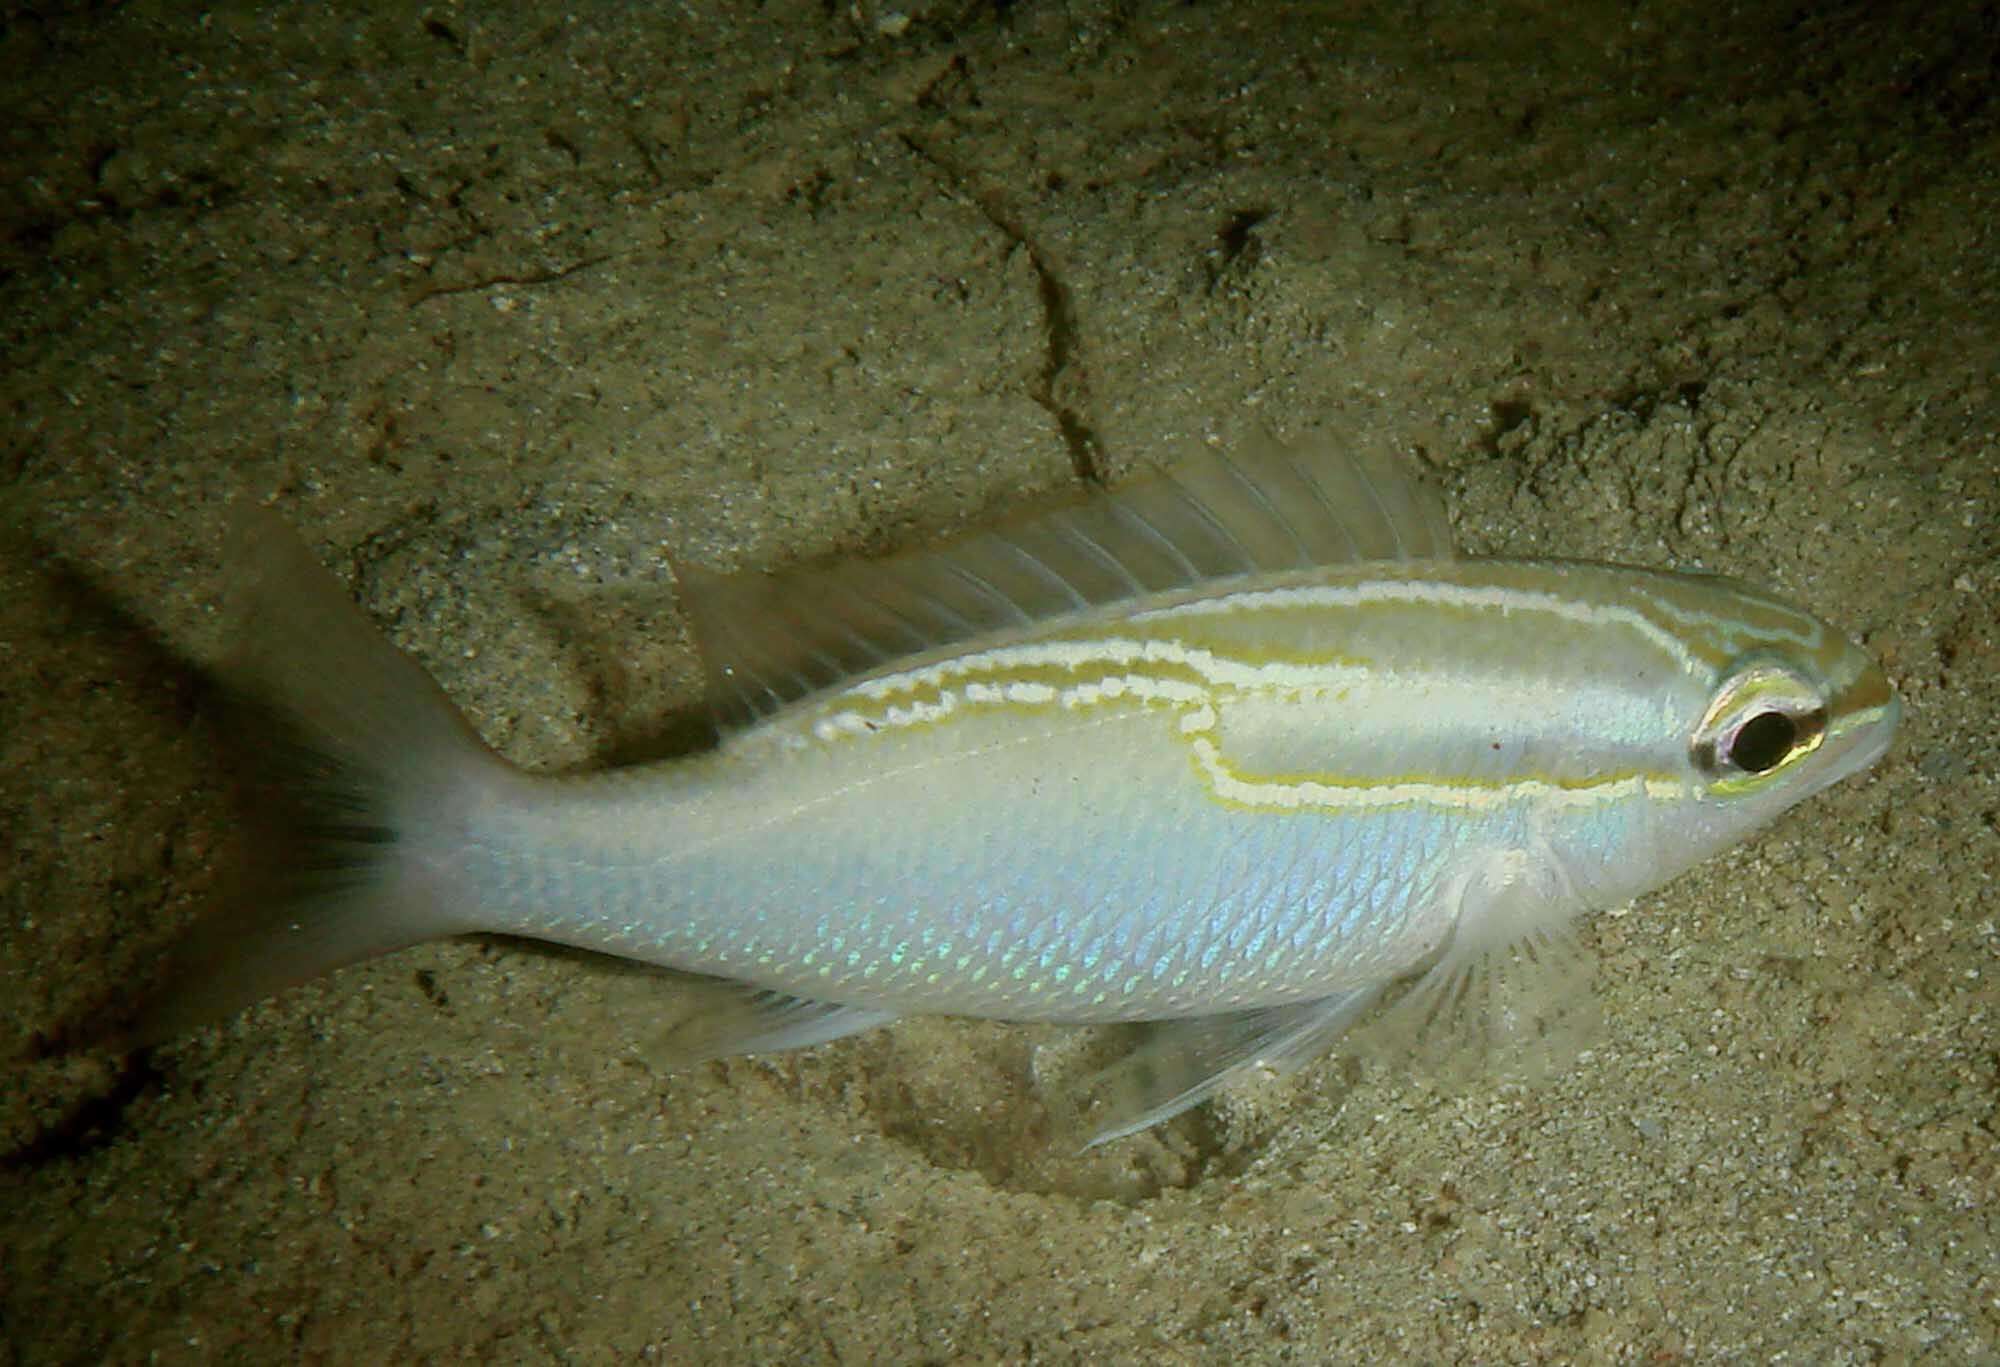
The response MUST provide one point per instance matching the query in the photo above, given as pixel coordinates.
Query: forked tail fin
(363, 770)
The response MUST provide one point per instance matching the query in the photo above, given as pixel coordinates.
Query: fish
(1242, 751)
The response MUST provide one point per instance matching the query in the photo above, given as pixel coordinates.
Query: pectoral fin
(1509, 993)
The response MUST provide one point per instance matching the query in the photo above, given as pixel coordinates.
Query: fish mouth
(1866, 715)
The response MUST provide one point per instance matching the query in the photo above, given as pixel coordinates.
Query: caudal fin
(362, 770)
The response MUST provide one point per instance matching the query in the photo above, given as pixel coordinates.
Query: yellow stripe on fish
(1241, 751)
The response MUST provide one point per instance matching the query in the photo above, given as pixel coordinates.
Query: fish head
(1781, 705)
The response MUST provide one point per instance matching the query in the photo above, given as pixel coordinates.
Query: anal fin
(728, 1018)
(1184, 1062)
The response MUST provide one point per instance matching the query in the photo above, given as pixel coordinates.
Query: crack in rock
(1061, 336)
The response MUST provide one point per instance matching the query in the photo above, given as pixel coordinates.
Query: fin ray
(354, 750)
(730, 1018)
(1509, 992)
(771, 640)
(1184, 1062)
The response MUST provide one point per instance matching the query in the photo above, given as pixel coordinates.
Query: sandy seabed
(500, 303)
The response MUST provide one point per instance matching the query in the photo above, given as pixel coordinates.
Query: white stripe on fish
(1235, 751)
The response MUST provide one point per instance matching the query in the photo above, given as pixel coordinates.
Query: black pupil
(1763, 742)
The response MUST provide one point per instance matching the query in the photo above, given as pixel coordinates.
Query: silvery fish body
(1236, 751)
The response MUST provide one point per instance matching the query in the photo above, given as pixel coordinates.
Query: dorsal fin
(768, 640)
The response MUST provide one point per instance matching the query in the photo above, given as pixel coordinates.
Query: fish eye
(1762, 717)
(1762, 742)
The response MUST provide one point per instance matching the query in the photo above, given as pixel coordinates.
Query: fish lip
(1870, 714)
(1884, 728)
